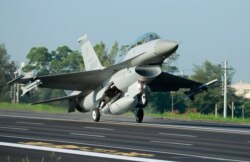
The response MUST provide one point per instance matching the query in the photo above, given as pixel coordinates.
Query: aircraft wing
(72, 95)
(79, 81)
(168, 82)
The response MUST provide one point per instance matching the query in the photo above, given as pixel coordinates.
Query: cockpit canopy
(145, 38)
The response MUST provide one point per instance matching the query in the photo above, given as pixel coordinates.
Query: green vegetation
(6, 67)
(34, 108)
(194, 117)
(199, 117)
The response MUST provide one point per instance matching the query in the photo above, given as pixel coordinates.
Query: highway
(75, 137)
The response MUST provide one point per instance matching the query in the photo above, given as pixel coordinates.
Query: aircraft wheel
(139, 113)
(96, 115)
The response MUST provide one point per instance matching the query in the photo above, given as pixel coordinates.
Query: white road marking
(84, 153)
(173, 143)
(180, 135)
(14, 128)
(109, 129)
(196, 128)
(32, 123)
(128, 148)
(90, 135)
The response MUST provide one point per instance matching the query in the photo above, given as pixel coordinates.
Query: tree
(113, 53)
(159, 102)
(66, 60)
(168, 64)
(39, 59)
(39, 56)
(246, 107)
(101, 51)
(205, 102)
(7, 67)
(106, 58)
(62, 60)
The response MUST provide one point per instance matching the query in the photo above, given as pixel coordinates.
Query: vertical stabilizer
(90, 58)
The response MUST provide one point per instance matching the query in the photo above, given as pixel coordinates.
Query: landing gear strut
(96, 115)
(139, 113)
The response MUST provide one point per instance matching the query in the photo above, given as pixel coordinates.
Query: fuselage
(151, 53)
(126, 83)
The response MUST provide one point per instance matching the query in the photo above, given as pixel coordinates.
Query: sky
(212, 30)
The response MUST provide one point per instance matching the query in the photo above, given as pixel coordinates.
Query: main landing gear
(139, 113)
(96, 115)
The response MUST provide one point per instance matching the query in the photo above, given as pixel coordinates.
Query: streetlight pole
(225, 90)
(243, 112)
(172, 97)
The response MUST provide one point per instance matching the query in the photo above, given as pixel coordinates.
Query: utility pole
(232, 109)
(172, 99)
(243, 112)
(225, 90)
(16, 87)
(216, 110)
(14, 93)
(225, 85)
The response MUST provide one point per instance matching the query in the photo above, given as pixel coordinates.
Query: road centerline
(108, 129)
(14, 128)
(89, 135)
(180, 135)
(32, 123)
(173, 143)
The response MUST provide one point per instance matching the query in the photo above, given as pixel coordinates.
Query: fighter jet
(119, 88)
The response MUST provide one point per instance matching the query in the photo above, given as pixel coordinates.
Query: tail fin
(90, 58)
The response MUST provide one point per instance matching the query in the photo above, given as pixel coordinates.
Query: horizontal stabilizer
(72, 95)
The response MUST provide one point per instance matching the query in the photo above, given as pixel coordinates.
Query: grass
(195, 117)
(199, 117)
(34, 108)
(185, 116)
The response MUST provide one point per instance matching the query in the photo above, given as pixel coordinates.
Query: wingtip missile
(190, 94)
(30, 86)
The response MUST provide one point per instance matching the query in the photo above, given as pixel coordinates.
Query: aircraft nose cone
(165, 47)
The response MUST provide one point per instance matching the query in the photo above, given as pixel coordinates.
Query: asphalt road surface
(75, 137)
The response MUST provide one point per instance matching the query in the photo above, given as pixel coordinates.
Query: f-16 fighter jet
(119, 88)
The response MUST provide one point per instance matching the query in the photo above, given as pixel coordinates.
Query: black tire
(96, 115)
(139, 114)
